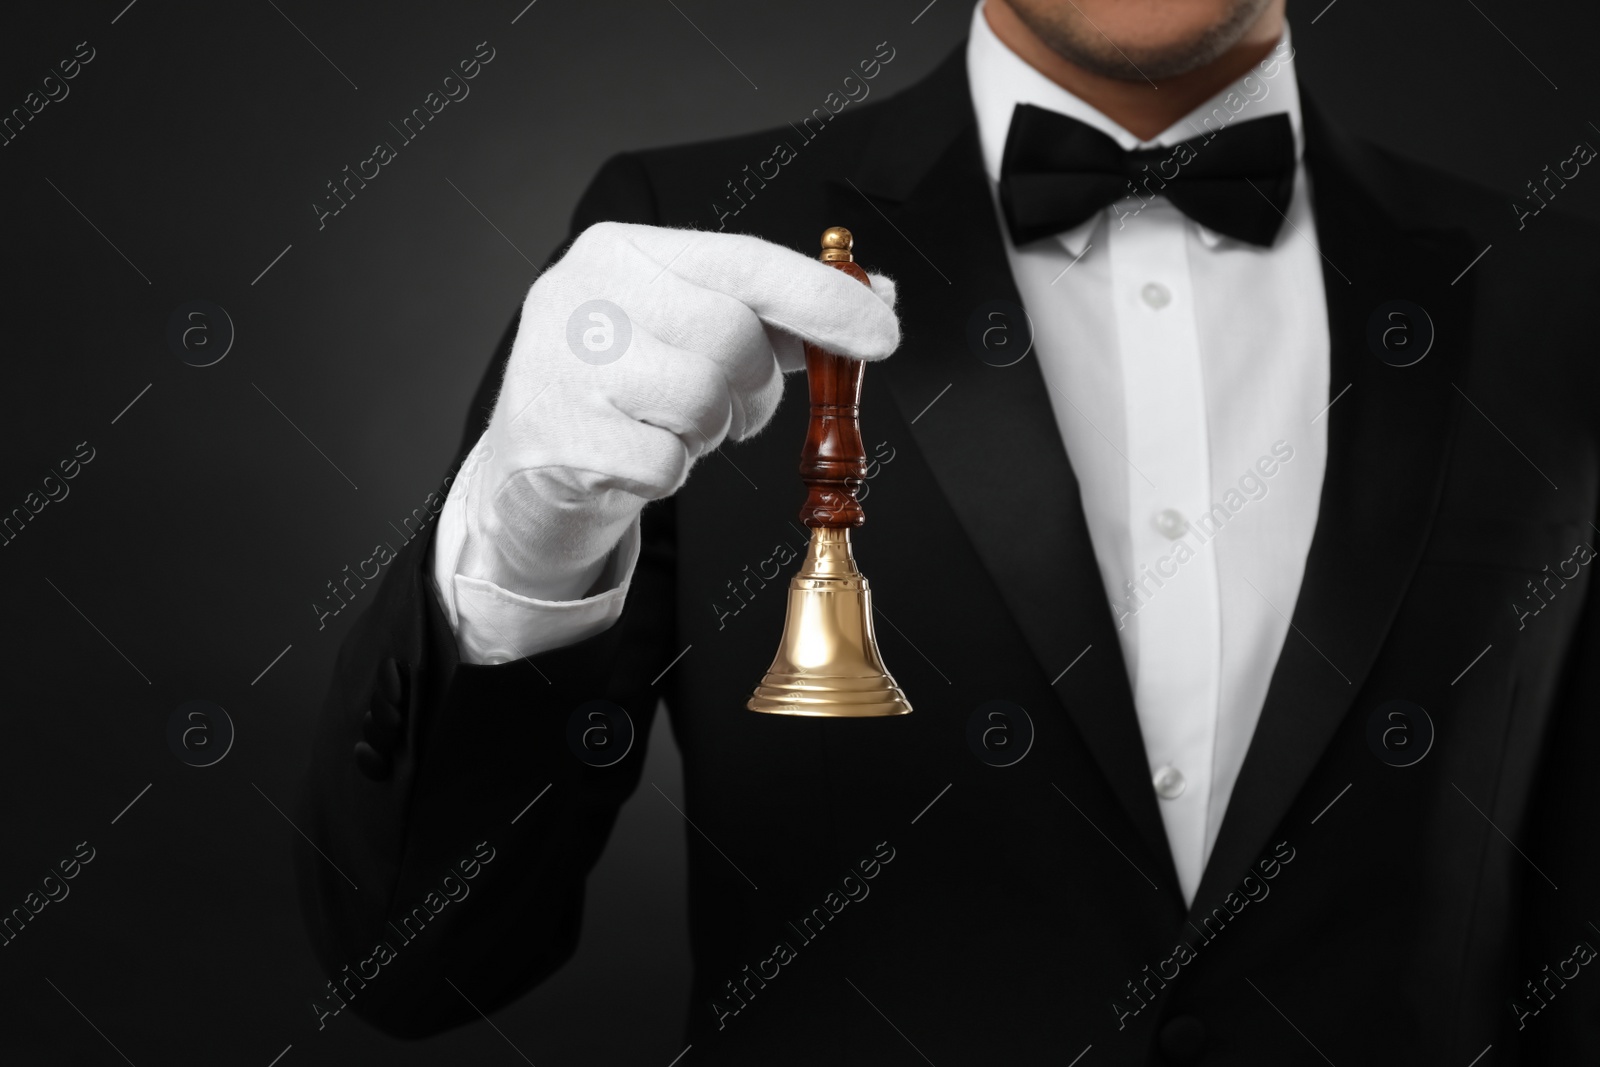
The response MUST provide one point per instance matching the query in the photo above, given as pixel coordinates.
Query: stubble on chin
(1069, 33)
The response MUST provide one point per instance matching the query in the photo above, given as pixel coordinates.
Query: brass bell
(828, 662)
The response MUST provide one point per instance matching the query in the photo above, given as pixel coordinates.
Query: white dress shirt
(1177, 359)
(1187, 372)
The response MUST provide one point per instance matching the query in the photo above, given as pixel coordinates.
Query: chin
(1135, 39)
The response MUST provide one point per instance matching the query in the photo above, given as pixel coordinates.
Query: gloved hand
(637, 354)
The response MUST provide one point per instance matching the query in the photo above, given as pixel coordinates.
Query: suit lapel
(1389, 438)
(920, 197)
(921, 202)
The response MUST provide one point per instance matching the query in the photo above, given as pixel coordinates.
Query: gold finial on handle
(836, 244)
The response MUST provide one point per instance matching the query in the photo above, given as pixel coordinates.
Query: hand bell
(828, 662)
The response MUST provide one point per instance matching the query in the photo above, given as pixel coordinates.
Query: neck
(1142, 107)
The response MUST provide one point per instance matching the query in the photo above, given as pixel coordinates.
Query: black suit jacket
(1352, 910)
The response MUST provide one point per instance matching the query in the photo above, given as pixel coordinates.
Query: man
(1240, 586)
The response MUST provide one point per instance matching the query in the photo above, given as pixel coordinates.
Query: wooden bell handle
(833, 463)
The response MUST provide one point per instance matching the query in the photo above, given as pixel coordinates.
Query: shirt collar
(999, 80)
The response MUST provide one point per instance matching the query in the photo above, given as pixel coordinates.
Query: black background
(188, 553)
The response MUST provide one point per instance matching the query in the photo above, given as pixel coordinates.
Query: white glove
(605, 406)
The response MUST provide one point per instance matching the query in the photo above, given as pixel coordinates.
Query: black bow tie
(1057, 172)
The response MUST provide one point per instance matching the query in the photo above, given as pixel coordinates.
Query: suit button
(384, 724)
(391, 686)
(381, 727)
(1181, 1038)
(372, 763)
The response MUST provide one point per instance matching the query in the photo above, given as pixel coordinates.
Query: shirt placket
(1172, 590)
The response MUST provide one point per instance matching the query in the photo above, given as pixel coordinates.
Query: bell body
(827, 662)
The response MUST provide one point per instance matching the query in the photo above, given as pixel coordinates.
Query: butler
(1321, 798)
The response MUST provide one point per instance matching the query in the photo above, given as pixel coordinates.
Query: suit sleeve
(418, 890)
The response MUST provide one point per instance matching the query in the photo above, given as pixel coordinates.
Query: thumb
(883, 288)
(794, 293)
(791, 356)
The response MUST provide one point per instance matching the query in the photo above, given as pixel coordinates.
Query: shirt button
(1156, 295)
(1169, 783)
(1171, 523)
